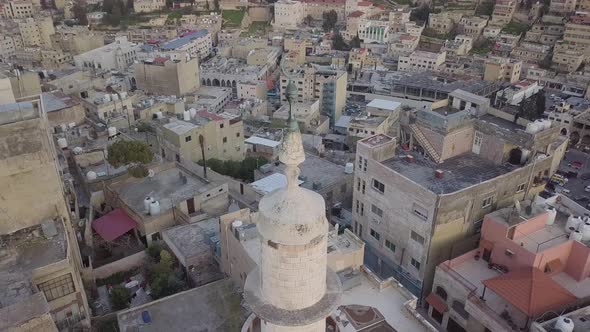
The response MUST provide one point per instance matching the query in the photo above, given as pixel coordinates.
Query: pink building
(529, 264)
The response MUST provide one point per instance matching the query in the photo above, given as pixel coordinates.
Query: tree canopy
(330, 19)
(79, 11)
(129, 153)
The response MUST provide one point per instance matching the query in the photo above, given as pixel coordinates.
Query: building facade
(168, 77)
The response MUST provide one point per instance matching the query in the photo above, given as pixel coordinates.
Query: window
(358, 184)
(376, 210)
(487, 202)
(343, 188)
(225, 140)
(520, 187)
(417, 237)
(188, 139)
(420, 211)
(415, 264)
(378, 186)
(375, 234)
(365, 165)
(237, 134)
(360, 162)
(390, 245)
(441, 292)
(363, 187)
(58, 287)
(362, 209)
(221, 125)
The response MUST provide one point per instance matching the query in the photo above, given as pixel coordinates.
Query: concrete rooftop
(460, 172)
(191, 240)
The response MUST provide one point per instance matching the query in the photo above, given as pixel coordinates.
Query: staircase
(424, 143)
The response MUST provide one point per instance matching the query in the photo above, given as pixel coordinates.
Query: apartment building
(112, 109)
(55, 59)
(538, 252)
(144, 35)
(323, 83)
(461, 45)
(288, 14)
(7, 48)
(563, 6)
(256, 89)
(545, 33)
(403, 44)
(36, 31)
(503, 12)
(398, 18)
(531, 52)
(316, 8)
(194, 43)
(77, 40)
(43, 256)
(118, 55)
(163, 76)
(489, 161)
(472, 25)
(443, 22)
(421, 61)
(147, 6)
(502, 69)
(567, 60)
(18, 9)
(577, 32)
(223, 137)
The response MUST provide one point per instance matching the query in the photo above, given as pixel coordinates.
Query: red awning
(113, 224)
(438, 303)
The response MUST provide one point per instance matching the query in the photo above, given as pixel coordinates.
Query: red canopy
(437, 302)
(113, 224)
(530, 290)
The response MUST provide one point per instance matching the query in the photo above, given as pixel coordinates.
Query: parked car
(585, 176)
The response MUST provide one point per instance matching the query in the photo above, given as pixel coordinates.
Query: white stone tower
(292, 290)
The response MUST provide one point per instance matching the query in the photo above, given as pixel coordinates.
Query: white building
(7, 48)
(421, 61)
(288, 14)
(115, 56)
(515, 94)
(196, 44)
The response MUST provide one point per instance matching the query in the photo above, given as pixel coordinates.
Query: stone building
(502, 69)
(288, 14)
(503, 12)
(472, 25)
(146, 6)
(421, 61)
(118, 55)
(77, 40)
(475, 159)
(36, 31)
(17, 9)
(164, 76)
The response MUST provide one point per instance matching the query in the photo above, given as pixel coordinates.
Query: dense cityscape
(295, 165)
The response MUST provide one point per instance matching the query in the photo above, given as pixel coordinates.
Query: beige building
(146, 6)
(443, 22)
(563, 6)
(472, 25)
(567, 60)
(36, 31)
(255, 89)
(421, 61)
(503, 12)
(110, 108)
(143, 35)
(223, 137)
(168, 77)
(62, 111)
(289, 14)
(22, 84)
(440, 212)
(577, 31)
(43, 255)
(55, 59)
(502, 69)
(7, 48)
(316, 8)
(18, 9)
(77, 40)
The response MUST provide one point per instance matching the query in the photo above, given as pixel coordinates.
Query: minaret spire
(291, 151)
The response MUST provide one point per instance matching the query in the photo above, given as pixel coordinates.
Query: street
(576, 185)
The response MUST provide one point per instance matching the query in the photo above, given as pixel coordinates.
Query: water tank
(547, 123)
(236, 224)
(564, 324)
(552, 213)
(159, 115)
(531, 128)
(146, 204)
(114, 96)
(106, 98)
(62, 143)
(193, 112)
(78, 150)
(91, 175)
(585, 230)
(576, 236)
(349, 168)
(572, 224)
(186, 116)
(123, 95)
(154, 208)
(524, 156)
(112, 131)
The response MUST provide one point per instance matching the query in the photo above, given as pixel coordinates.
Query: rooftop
(389, 105)
(459, 172)
(185, 39)
(20, 313)
(24, 251)
(213, 307)
(55, 101)
(191, 240)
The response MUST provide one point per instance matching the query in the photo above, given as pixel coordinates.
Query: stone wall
(123, 264)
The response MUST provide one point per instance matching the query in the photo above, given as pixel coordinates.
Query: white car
(587, 189)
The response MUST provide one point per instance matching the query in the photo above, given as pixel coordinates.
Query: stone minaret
(292, 290)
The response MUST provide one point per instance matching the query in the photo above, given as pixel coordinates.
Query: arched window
(441, 292)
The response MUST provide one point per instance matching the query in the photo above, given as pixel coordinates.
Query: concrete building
(147, 6)
(443, 22)
(421, 61)
(576, 32)
(461, 45)
(472, 25)
(535, 256)
(545, 32)
(373, 30)
(502, 69)
(531, 52)
(255, 89)
(196, 44)
(517, 92)
(110, 108)
(62, 110)
(7, 48)
(21, 84)
(289, 14)
(18, 9)
(36, 31)
(42, 255)
(118, 55)
(577, 318)
(567, 60)
(474, 161)
(403, 44)
(168, 77)
(55, 59)
(563, 7)
(224, 72)
(320, 83)
(503, 12)
(316, 8)
(223, 138)
(77, 40)
(144, 35)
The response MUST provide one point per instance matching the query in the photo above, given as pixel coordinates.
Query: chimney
(409, 158)
(439, 174)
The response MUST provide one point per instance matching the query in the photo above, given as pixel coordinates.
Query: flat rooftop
(166, 186)
(15, 112)
(213, 307)
(20, 313)
(460, 172)
(191, 240)
(55, 101)
(24, 251)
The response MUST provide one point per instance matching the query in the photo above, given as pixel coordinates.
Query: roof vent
(439, 173)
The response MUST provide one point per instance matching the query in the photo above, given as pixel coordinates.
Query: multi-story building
(398, 17)
(461, 45)
(144, 35)
(42, 254)
(55, 59)
(36, 31)
(545, 33)
(403, 44)
(195, 43)
(502, 69)
(77, 40)
(373, 30)
(503, 12)
(535, 252)
(421, 61)
(164, 76)
(18, 9)
(223, 137)
(516, 93)
(577, 31)
(118, 55)
(146, 6)
(567, 60)
(267, 56)
(489, 161)
(289, 14)
(316, 8)
(256, 89)
(531, 52)
(7, 48)
(472, 25)
(563, 6)
(228, 72)
(443, 22)
(112, 109)
(326, 84)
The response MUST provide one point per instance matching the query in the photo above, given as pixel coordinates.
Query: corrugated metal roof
(113, 224)
(384, 104)
(179, 42)
(262, 141)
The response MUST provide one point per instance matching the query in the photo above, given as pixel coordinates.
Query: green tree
(129, 153)
(120, 297)
(207, 7)
(338, 43)
(420, 14)
(164, 279)
(540, 103)
(79, 11)
(108, 5)
(355, 42)
(308, 20)
(330, 18)
(216, 5)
